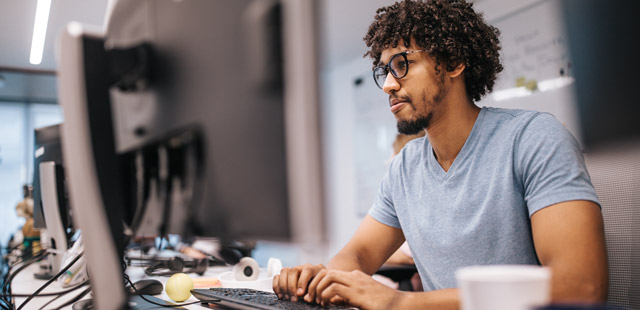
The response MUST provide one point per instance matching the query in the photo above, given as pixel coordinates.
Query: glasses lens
(398, 65)
(379, 75)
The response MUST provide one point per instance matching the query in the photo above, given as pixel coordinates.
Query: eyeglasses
(398, 66)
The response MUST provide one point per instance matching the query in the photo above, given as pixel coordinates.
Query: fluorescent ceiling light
(39, 31)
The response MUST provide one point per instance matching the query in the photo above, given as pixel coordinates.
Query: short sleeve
(550, 164)
(383, 209)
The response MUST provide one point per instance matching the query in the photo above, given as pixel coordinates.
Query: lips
(397, 104)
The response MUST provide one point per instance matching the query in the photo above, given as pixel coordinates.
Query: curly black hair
(450, 30)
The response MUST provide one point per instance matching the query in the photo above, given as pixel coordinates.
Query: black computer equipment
(146, 287)
(51, 205)
(604, 52)
(48, 147)
(192, 117)
(254, 299)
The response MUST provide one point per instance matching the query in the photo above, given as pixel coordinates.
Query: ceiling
(21, 81)
(16, 28)
(344, 23)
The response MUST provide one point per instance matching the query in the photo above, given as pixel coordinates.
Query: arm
(369, 247)
(400, 258)
(348, 278)
(569, 239)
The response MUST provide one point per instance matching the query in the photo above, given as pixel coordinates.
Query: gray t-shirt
(513, 164)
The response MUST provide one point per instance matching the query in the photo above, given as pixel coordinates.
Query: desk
(25, 283)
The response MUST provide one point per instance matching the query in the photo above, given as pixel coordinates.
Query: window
(17, 122)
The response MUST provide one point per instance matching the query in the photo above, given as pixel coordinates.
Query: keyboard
(244, 298)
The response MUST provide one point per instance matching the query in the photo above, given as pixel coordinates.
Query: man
(486, 186)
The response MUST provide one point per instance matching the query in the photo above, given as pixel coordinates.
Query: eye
(399, 64)
(382, 69)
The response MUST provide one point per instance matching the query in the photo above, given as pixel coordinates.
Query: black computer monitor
(50, 203)
(47, 147)
(193, 117)
(603, 41)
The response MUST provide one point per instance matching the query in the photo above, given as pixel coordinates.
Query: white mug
(504, 287)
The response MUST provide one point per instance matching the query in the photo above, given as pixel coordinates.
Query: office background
(357, 126)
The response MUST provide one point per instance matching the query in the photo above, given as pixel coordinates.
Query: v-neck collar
(435, 166)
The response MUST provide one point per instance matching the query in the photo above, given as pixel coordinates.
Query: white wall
(338, 131)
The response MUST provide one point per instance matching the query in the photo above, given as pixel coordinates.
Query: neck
(448, 133)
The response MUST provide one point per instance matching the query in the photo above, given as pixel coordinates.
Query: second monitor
(204, 114)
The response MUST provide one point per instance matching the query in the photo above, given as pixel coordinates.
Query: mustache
(401, 98)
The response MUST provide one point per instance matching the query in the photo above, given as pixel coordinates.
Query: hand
(292, 282)
(351, 287)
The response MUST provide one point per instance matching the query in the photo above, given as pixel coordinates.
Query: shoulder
(512, 117)
(532, 124)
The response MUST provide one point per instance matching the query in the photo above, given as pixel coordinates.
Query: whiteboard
(537, 68)
(374, 133)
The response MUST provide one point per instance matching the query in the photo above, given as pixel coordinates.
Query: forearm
(570, 284)
(446, 299)
(347, 260)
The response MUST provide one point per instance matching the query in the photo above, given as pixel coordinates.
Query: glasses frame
(386, 68)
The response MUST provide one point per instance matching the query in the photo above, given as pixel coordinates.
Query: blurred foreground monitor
(603, 40)
(192, 117)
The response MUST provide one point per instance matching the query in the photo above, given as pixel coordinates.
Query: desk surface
(25, 283)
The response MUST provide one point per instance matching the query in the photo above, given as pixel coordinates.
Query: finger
(276, 285)
(311, 290)
(337, 300)
(303, 280)
(282, 283)
(334, 276)
(331, 277)
(335, 292)
(292, 284)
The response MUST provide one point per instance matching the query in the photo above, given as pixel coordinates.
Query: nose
(390, 84)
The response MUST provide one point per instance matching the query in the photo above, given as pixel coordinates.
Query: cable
(4, 304)
(53, 293)
(75, 299)
(6, 288)
(34, 256)
(62, 293)
(128, 280)
(63, 270)
(163, 305)
(50, 301)
(5, 307)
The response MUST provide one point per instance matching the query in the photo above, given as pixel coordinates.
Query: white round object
(246, 269)
(263, 283)
(273, 267)
(179, 287)
(504, 287)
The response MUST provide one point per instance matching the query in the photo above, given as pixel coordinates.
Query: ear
(457, 71)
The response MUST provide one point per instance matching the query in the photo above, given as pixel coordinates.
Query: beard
(412, 127)
(422, 122)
